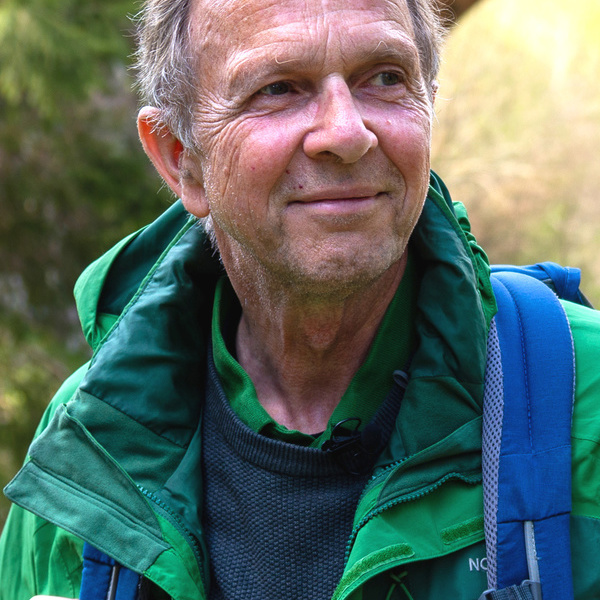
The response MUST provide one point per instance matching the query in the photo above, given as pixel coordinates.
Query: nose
(338, 129)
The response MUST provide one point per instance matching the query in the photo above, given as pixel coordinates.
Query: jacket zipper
(401, 500)
(175, 520)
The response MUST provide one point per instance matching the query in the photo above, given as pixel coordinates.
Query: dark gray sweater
(278, 516)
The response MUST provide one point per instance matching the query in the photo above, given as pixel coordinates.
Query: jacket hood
(455, 307)
(108, 284)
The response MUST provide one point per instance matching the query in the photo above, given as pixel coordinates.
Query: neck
(302, 352)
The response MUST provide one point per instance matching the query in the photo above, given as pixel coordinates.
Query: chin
(340, 275)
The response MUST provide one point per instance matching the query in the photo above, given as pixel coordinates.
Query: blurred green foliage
(73, 180)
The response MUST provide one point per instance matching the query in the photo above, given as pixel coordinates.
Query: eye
(276, 89)
(387, 78)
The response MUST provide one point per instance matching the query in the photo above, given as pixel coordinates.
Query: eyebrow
(405, 53)
(244, 75)
(252, 66)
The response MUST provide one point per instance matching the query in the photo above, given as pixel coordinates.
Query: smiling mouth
(338, 201)
(341, 194)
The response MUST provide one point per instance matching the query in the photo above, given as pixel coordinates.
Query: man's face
(313, 130)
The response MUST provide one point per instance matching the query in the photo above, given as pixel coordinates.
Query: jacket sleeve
(585, 438)
(585, 433)
(37, 557)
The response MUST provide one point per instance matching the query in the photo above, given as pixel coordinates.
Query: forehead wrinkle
(298, 56)
(398, 12)
(221, 13)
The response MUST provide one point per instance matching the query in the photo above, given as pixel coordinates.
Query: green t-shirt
(391, 350)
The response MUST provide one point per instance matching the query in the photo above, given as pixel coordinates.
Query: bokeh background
(517, 139)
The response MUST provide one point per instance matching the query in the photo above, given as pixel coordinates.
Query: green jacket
(113, 462)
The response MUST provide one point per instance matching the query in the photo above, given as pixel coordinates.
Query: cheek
(408, 147)
(259, 149)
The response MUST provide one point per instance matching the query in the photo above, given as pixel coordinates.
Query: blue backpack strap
(564, 281)
(104, 579)
(533, 470)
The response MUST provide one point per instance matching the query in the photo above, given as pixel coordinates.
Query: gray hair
(165, 60)
(165, 63)
(429, 37)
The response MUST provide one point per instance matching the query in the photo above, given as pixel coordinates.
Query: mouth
(339, 202)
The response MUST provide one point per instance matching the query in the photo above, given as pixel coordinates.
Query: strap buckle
(528, 590)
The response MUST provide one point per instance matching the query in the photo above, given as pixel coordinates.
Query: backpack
(528, 403)
(526, 442)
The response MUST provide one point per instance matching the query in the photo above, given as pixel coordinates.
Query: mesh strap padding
(493, 409)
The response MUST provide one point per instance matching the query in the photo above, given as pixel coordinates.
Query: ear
(168, 157)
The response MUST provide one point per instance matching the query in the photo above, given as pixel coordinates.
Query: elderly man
(301, 419)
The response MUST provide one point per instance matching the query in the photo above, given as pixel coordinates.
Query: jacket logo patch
(478, 564)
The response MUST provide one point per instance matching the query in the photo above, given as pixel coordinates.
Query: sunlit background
(517, 139)
(518, 132)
